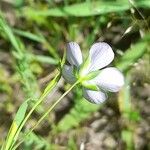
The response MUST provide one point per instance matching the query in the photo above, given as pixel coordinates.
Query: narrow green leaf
(10, 136)
(51, 84)
(16, 123)
(43, 59)
(10, 35)
(86, 9)
(21, 113)
(29, 35)
(131, 56)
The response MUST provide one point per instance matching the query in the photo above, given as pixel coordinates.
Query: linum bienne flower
(95, 80)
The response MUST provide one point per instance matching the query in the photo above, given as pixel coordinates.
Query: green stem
(46, 91)
(46, 113)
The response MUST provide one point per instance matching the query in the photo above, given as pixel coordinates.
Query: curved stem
(46, 113)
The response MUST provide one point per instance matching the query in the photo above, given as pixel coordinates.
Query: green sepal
(62, 62)
(84, 67)
(92, 75)
(90, 86)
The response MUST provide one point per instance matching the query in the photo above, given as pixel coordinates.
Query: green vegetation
(33, 38)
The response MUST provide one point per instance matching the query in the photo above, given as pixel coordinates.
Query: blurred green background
(33, 37)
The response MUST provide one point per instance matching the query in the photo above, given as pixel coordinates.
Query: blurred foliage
(33, 36)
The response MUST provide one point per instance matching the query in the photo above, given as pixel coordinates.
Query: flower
(96, 80)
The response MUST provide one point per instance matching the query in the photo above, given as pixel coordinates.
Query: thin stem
(31, 111)
(46, 113)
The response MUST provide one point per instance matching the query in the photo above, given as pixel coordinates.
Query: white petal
(67, 73)
(101, 55)
(110, 79)
(96, 97)
(74, 55)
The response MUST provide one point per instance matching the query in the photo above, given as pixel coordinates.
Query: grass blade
(86, 9)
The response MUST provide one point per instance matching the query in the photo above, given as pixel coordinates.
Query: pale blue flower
(95, 80)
